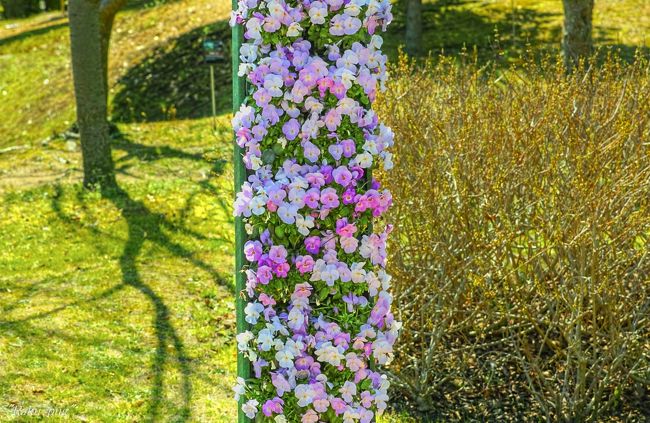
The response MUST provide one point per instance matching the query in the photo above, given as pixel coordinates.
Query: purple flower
(311, 152)
(290, 129)
(349, 148)
(253, 250)
(272, 406)
(280, 383)
(264, 274)
(312, 244)
(336, 150)
(342, 176)
(311, 198)
(278, 254)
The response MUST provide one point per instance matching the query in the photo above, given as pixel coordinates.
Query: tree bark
(577, 41)
(413, 27)
(90, 86)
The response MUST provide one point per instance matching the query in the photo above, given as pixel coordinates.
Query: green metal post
(214, 99)
(238, 92)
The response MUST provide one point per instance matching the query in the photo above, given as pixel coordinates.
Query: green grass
(118, 306)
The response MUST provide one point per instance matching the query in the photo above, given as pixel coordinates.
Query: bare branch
(108, 8)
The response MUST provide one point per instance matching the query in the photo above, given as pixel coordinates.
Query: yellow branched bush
(520, 254)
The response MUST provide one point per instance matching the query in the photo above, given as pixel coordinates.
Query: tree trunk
(90, 86)
(53, 5)
(413, 27)
(577, 41)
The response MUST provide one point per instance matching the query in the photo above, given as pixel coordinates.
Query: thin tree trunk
(89, 71)
(577, 36)
(413, 27)
(52, 5)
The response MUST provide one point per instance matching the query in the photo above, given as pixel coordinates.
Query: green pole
(238, 92)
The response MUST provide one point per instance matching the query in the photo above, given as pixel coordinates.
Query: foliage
(521, 262)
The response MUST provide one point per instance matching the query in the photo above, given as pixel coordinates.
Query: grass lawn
(118, 306)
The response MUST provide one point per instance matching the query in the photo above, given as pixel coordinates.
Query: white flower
(256, 162)
(275, 9)
(239, 388)
(243, 339)
(371, 147)
(294, 30)
(304, 224)
(328, 353)
(388, 160)
(373, 284)
(296, 318)
(364, 160)
(285, 358)
(258, 205)
(317, 13)
(250, 408)
(287, 213)
(265, 340)
(280, 419)
(253, 311)
(352, 9)
(358, 272)
(304, 394)
(330, 274)
(348, 390)
(273, 83)
(248, 52)
(295, 347)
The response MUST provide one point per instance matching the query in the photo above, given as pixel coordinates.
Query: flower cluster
(319, 308)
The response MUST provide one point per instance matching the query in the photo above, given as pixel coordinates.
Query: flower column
(318, 307)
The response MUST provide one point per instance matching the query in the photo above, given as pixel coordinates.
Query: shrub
(520, 254)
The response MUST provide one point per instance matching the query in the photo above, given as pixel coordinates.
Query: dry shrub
(520, 252)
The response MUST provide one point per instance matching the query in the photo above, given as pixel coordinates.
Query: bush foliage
(520, 256)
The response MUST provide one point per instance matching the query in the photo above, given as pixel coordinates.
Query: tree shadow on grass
(449, 26)
(173, 82)
(143, 225)
(50, 26)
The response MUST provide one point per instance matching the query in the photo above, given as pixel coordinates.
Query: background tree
(413, 27)
(577, 37)
(91, 23)
(14, 9)
(54, 5)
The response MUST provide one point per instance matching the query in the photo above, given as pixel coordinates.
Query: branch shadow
(34, 32)
(143, 225)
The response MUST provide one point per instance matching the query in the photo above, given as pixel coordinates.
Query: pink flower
(278, 254)
(329, 198)
(304, 264)
(264, 274)
(310, 416)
